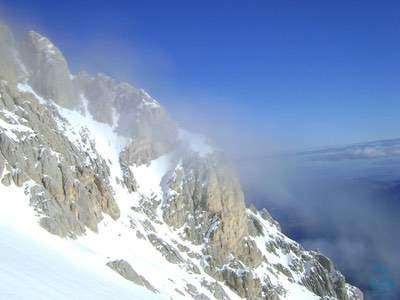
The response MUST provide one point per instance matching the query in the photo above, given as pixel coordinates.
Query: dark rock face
(216, 289)
(170, 254)
(72, 186)
(324, 280)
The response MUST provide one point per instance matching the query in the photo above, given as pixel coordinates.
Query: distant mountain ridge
(365, 150)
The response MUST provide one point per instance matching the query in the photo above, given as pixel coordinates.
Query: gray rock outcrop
(48, 70)
(123, 268)
(73, 194)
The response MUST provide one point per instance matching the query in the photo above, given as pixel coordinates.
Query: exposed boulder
(123, 268)
(243, 282)
(216, 289)
(2, 164)
(169, 252)
(6, 180)
(192, 291)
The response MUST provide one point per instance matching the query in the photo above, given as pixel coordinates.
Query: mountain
(104, 196)
(366, 150)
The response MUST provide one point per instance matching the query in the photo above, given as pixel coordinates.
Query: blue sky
(297, 74)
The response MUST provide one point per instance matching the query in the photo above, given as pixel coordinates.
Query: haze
(264, 80)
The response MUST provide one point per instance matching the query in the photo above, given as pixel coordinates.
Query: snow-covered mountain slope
(105, 197)
(38, 265)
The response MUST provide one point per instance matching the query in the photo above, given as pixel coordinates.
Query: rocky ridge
(96, 155)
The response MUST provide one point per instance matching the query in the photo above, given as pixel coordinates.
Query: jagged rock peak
(8, 62)
(49, 73)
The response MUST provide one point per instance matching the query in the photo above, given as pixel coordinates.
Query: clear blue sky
(300, 73)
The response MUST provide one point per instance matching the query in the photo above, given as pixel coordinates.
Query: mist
(347, 209)
(343, 201)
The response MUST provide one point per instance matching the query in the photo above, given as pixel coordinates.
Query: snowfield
(38, 265)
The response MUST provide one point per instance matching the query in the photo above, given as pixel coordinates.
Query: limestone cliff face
(75, 186)
(74, 181)
(204, 197)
